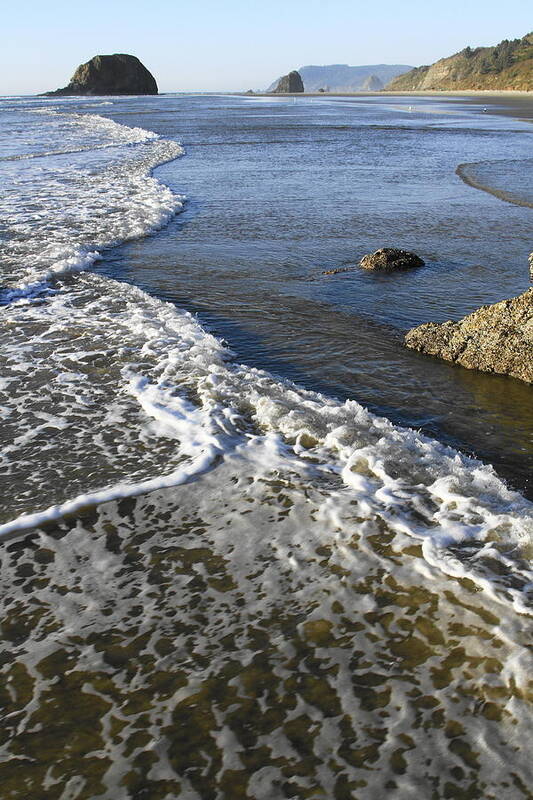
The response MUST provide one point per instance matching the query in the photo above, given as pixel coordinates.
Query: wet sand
(509, 103)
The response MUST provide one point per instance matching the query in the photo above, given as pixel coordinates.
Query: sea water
(218, 582)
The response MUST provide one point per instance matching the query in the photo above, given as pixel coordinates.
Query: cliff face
(115, 74)
(508, 65)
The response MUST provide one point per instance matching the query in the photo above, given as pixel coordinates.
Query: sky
(235, 45)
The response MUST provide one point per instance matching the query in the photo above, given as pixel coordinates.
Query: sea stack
(372, 84)
(289, 84)
(119, 74)
(497, 338)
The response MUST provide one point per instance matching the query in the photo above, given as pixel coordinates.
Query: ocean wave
(148, 399)
(304, 599)
(98, 125)
(178, 404)
(61, 152)
(62, 212)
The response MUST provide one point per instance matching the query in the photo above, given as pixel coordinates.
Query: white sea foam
(152, 400)
(171, 382)
(93, 128)
(62, 207)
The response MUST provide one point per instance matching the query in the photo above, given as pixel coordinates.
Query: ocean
(251, 546)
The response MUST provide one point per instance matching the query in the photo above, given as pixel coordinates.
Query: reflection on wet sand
(288, 650)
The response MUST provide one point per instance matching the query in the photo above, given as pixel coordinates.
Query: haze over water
(228, 569)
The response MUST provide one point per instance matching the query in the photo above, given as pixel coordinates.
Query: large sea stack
(116, 74)
(290, 83)
(497, 338)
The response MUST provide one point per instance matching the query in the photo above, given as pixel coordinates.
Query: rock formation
(290, 83)
(117, 74)
(496, 338)
(389, 259)
(372, 84)
(343, 78)
(508, 65)
(337, 270)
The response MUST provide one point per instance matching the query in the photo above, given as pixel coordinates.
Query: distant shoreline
(512, 102)
(424, 92)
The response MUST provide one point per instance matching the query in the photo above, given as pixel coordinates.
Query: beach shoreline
(384, 92)
(511, 102)
(333, 599)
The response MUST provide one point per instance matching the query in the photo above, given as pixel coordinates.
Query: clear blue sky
(241, 44)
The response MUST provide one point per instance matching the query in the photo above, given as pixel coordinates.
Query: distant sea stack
(342, 78)
(290, 83)
(119, 74)
(372, 84)
(508, 65)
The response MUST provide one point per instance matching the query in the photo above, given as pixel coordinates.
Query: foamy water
(63, 206)
(242, 588)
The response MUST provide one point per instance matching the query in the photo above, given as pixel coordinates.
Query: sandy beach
(509, 103)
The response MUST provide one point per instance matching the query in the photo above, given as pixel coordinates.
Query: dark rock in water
(290, 83)
(497, 338)
(337, 270)
(388, 259)
(116, 74)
